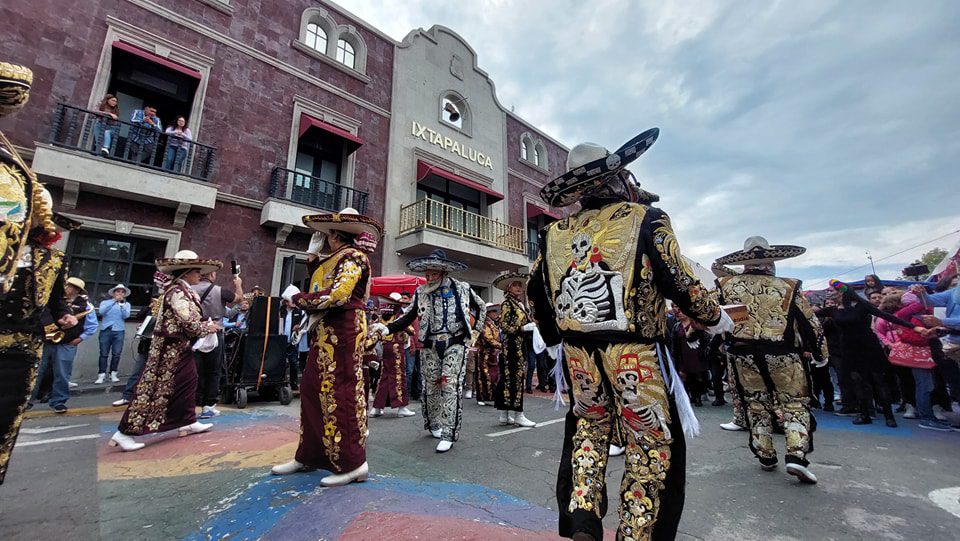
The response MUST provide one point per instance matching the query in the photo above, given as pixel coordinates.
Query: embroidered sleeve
(347, 275)
(476, 302)
(808, 327)
(57, 304)
(673, 275)
(491, 336)
(541, 306)
(408, 316)
(186, 312)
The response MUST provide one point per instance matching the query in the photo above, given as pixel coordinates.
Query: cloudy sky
(834, 124)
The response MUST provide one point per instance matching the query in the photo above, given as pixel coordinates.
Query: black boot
(891, 420)
(863, 420)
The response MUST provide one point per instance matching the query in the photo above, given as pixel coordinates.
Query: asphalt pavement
(496, 483)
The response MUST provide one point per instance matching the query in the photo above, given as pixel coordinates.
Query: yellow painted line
(34, 414)
(193, 464)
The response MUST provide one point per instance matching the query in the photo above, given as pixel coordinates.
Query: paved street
(496, 483)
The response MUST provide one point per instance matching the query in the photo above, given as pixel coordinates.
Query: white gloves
(379, 329)
(316, 243)
(820, 364)
(724, 325)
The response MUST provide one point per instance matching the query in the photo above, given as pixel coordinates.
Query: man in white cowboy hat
(597, 292)
(508, 396)
(767, 352)
(113, 312)
(444, 306)
(65, 348)
(293, 323)
(333, 403)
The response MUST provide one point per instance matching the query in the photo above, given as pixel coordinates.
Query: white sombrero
(126, 290)
(187, 259)
(756, 251)
(504, 279)
(347, 220)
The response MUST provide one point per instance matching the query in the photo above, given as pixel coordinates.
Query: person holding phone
(113, 312)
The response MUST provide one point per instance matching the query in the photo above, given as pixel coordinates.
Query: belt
(444, 339)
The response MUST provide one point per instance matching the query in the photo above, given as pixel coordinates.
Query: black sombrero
(590, 164)
(437, 260)
(756, 250)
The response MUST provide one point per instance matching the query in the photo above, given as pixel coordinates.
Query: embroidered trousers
(775, 387)
(19, 356)
(443, 369)
(620, 388)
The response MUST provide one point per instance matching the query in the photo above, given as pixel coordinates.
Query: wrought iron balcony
(430, 214)
(311, 191)
(89, 131)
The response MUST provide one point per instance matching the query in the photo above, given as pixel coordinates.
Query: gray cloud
(832, 124)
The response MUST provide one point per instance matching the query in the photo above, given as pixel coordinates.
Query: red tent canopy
(401, 283)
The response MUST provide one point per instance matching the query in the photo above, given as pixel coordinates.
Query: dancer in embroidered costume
(444, 306)
(487, 373)
(508, 396)
(333, 403)
(31, 270)
(392, 392)
(766, 353)
(166, 394)
(598, 285)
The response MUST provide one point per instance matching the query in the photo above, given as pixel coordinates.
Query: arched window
(455, 112)
(316, 38)
(345, 54)
(451, 113)
(526, 148)
(523, 149)
(540, 155)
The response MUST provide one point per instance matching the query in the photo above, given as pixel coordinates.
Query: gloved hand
(820, 364)
(374, 365)
(316, 243)
(379, 330)
(474, 336)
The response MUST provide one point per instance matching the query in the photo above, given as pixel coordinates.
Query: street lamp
(870, 257)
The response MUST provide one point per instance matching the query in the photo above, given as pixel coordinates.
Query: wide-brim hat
(589, 166)
(347, 220)
(15, 82)
(393, 298)
(492, 307)
(756, 251)
(289, 292)
(126, 290)
(77, 283)
(187, 259)
(66, 222)
(504, 279)
(437, 260)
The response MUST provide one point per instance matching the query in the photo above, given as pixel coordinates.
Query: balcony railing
(430, 214)
(315, 192)
(89, 131)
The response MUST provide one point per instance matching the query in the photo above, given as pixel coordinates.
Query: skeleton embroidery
(591, 295)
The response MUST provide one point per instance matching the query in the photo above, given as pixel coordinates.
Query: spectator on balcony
(105, 126)
(178, 143)
(143, 137)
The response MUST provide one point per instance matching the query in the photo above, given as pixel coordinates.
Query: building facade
(294, 107)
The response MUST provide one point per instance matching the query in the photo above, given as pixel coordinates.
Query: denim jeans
(924, 379)
(412, 381)
(140, 360)
(142, 152)
(110, 340)
(173, 160)
(103, 136)
(62, 368)
(531, 367)
(46, 363)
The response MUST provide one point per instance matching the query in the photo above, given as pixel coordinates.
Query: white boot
(444, 446)
(504, 419)
(376, 412)
(125, 442)
(405, 412)
(468, 393)
(479, 403)
(359, 475)
(100, 378)
(731, 426)
(195, 428)
(113, 377)
(511, 419)
(801, 473)
(289, 467)
(521, 420)
(435, 433)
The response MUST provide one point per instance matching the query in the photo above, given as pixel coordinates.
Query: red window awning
(307, 122)
(156, 59)
(424, 170)
(533, 211)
